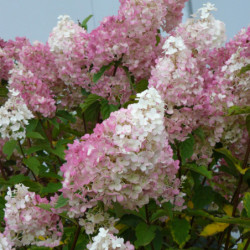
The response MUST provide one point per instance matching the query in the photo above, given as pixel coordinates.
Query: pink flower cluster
(199, 84)
(127, 159)
(26, 223)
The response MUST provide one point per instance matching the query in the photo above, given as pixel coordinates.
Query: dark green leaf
(3, 92)
(34, 135)
(33, 186)
(61, 202)
(244, 69)
(51, 188)
(91, 99)
(66, 115)
(85, 21)
(200, 170)
(33, 164)
(144, 234)
(99, 74)
(203, 196)
(9, 147)
(107, 109)
(180, 231)
(187, 148)
(2, 206)
(32, 125)
(141, 86)
(246, 201)
(17, 179)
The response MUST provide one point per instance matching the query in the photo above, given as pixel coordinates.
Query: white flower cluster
(204, 32)
(107, 241)
(14, 116)
(4, 243)
(97, 218)
(64, 34)
(173, 45)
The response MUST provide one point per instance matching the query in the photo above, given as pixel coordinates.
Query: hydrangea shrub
(132, 136)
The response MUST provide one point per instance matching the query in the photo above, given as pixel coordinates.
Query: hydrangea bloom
(14, 116)
(28, 224)
(5, 244)
(107, 241)
(127, 159)
(95, 218)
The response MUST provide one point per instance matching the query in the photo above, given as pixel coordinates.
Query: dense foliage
(132, 136)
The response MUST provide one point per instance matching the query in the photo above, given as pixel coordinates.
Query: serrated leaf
(200, 170)
(85, 21)
(32, 125)
(144, 234)
(203, 196)
(9, 148)
(237, 110)
(59, 151)
(246, 202)
(44, 206)
(33, 164)
(244, 69)
(61, 202)
(34, 135)
(180, 231)
(227, 155)
(3, 92)
(187, 148)
(91, 99)
(107, 109)
(141, 86)
(66, 115)
(51, 188)
(33, 186)
(213, 228)
(99, 74)
(17, 179)
(92, 112)
(158, 214)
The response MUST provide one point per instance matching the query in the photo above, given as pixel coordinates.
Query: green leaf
(9, 147)
(54, 122)
(32, 125)
(58, 151)
(244, 69)
(144, 234)
(200, 133)
(61, 202)
(158, 214)
(203, 196)
(2, 206)
(141, 86)
(44, 206)
(17, 179)
(33, 186)
(92, 112)
(66, 116)
(33, 164)
(246, 201)
(180, 231)
(248, 124)
(34, 135)
(169, 208)
(3, 92)
(236, 110)
(85, 21)
(231, 160)
(187, 148)
(51, 188)
(98, 75)
(91, 99)
(200, 170)
(107, 109)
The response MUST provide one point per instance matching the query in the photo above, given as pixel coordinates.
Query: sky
(36, 18)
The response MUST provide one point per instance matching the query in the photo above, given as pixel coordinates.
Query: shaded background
(36, 18)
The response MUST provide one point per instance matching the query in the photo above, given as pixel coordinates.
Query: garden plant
(132, 136)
